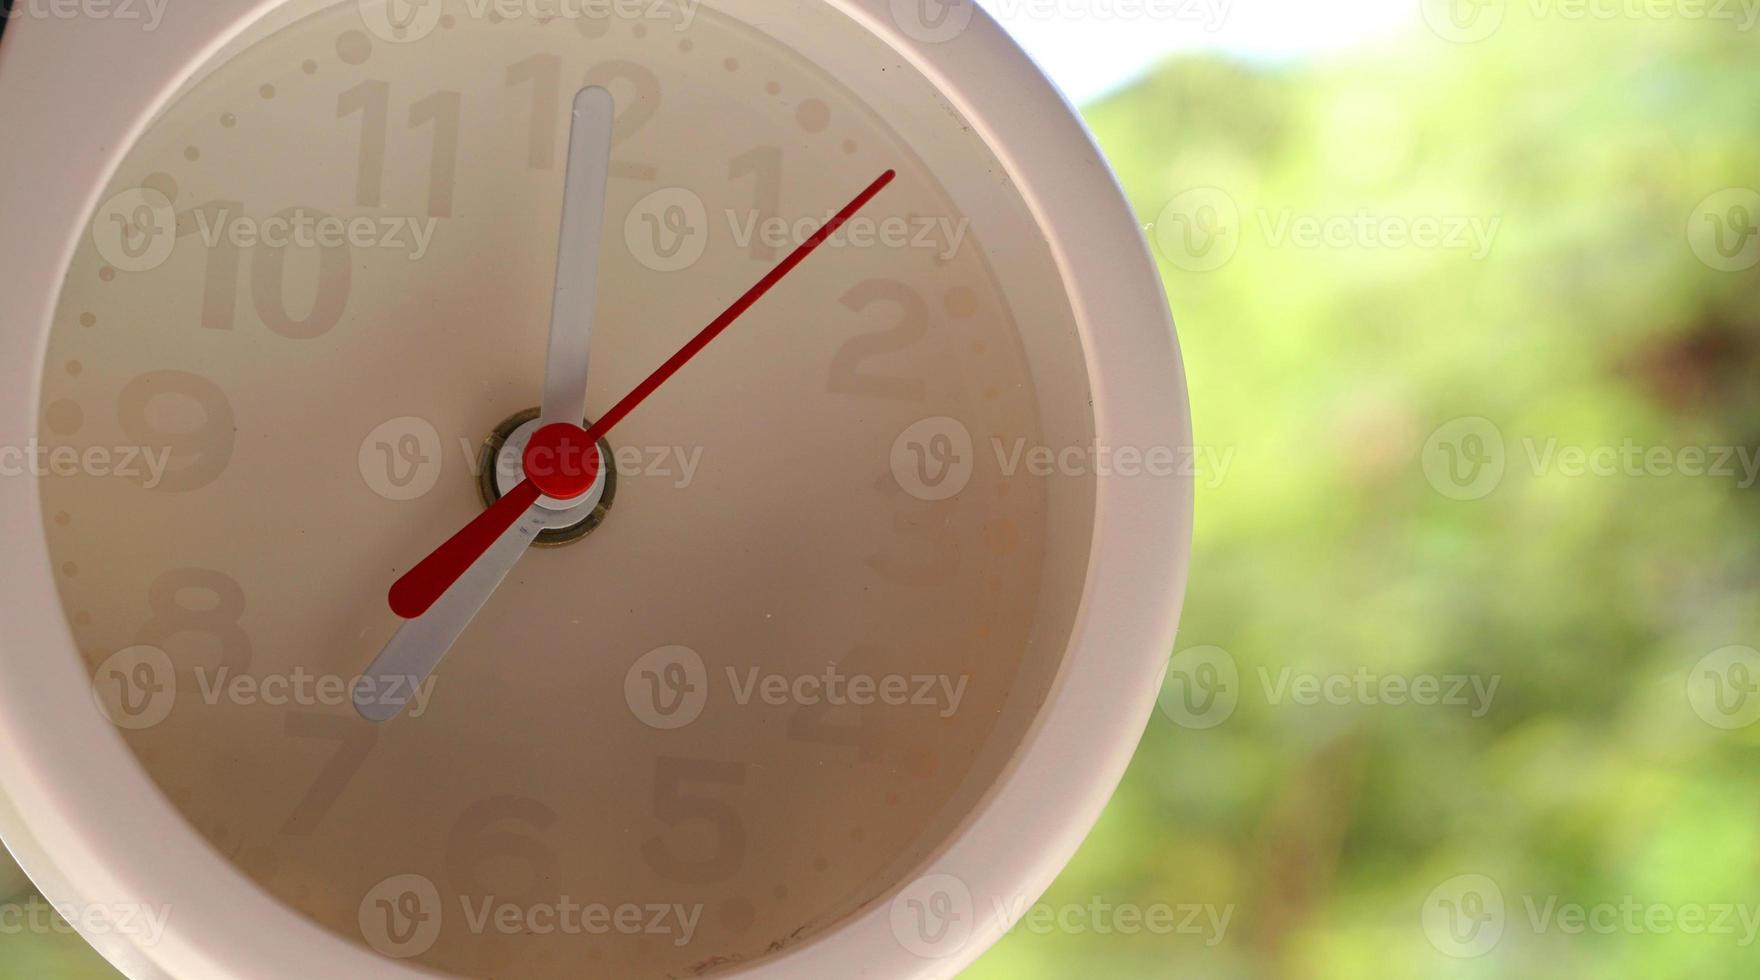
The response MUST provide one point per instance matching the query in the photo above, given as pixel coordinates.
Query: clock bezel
(69, 125)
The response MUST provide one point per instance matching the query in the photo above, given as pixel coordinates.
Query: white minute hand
(577, 257)
(419, 645)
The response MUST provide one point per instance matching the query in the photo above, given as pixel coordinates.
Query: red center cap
(561, 461)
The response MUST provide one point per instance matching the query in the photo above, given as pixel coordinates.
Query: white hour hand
(420, 644)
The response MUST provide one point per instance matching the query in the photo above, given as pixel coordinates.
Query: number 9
(198, 454)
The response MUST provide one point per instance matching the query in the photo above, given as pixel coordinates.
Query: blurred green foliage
(1326, 549)
(1318, 373)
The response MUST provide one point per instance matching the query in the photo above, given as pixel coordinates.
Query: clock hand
(561, 462)
(738, 309)
(577, 257)
(563, 459)
(420, 644)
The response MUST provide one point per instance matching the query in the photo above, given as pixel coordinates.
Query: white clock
(819, 652)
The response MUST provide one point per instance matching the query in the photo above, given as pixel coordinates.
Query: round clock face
(799, 645)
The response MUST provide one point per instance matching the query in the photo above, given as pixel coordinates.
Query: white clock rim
(66, 770)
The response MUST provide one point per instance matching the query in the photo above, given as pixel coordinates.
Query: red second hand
(422, 586)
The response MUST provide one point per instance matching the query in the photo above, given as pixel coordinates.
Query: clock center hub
(563, 461)
(578, 482)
